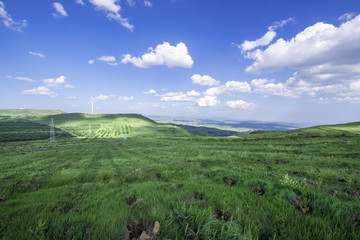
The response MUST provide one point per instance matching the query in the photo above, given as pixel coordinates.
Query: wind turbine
(92, 104)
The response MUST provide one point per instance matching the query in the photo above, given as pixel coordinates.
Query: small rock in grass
(353, 192)
(3, 199)
(295, 202)
(135, 229)
(144, 236)
(333, 192)
(156, 228)
(274, 175)
(89, 230)
(140, 200)
(130, 198)
(199, 195)
(295, 172)
(138, 170)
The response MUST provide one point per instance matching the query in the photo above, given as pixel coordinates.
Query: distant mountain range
(234, 125)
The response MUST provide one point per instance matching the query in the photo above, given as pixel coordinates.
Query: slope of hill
(111, 125)
(28, 112)
(340, 130)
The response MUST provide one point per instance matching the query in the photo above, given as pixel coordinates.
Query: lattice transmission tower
(52, 132)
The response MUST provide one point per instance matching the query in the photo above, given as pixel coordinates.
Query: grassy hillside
(339, 130)
(274, 185)
(14, 129)
(28, 112)
(112, 125)
(208, 131)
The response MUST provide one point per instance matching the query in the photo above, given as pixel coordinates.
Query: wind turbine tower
(92, 105)
(52, 132)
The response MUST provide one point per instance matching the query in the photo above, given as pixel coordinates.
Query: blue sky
(290, 61)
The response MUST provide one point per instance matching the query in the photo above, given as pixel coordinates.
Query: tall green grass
(244, 187)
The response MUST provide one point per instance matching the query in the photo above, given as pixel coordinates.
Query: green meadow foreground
(299, 184)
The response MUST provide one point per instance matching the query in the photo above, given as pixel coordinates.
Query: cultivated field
(299, 184)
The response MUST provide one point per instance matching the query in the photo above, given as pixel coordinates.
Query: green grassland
(299, 184)
(28, 112)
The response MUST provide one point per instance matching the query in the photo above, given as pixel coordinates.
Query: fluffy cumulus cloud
(40, 55)
(9, 22)
(163, 54)
(151, 91)
(126, 98)
(240, 104)
(325, 58)
(110, 60)
(264, 40)
(230, 87)
(207, 101)
(57, 83)
(60, 11)
(147, 3)
(179, 96)
(41, 90)
(205, 80)
(112, 9)
(268, 87)
(21, 78)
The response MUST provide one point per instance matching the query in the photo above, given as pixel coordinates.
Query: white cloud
(60, 10)
(41, 90)
(193, 93)
(326, 59)
(264, 40)
(80, 2)
(151, 91)
(9, 22)
(102, 97)
(21, 78)
(240, 104)
(112, 11)
(57, 83)
(205, 80)
(37, 54)
(107, 58)
(207, 101)
(125, 98)
(347, 16)
(163, 54)
(229, 88)
(269, 87)
(110, 60)
(147, 3)
(179, 96)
